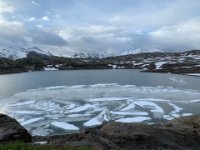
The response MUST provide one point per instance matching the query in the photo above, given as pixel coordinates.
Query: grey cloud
(40, 36)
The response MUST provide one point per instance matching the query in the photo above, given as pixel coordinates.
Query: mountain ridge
(19, 52)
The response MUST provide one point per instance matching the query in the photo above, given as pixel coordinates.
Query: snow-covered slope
(122, 53)
(16, 53)
(137, 51)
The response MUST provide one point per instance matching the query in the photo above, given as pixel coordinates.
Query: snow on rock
(159, 64)
(137, 51)
(17, 53)
(64, 125)
(50, 69)
(114, 66)
(122, 53)
(135, 119)
(37, 50)
(193, 74)
(13, 53)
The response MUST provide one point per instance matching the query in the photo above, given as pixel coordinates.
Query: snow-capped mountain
(137, 51)
(122, 53)
(16, 53)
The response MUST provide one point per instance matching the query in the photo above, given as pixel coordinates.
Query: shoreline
(182, 134)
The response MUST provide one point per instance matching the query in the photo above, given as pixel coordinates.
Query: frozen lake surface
(58, 102)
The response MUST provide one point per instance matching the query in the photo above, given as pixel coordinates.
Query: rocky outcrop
(11, 130)
(178, 68)
(178, 134)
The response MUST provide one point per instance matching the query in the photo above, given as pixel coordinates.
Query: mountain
(137, 51)
(122, 53)
(16, 53)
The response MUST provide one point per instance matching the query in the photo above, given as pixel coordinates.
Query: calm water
(14, 83)
(59, 102)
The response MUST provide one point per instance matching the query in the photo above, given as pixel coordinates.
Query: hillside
(34, 59)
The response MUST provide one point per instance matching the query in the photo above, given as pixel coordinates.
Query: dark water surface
(14, 83)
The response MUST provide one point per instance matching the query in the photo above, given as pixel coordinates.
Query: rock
(11, 130)
(179, 135)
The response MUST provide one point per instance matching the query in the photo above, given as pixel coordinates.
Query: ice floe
(31, 121)
(186, 114)
(130, 106)
(22, 103)
(130, 113)
(134, 119)
(25, 112)
(92, 105)
(64, 125)
(81, 108)
(195, 101)
(177, 109)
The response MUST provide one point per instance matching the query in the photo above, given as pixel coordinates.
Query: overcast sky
(90, 26)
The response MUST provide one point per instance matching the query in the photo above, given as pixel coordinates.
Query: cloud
(182, 36)
(115, 19)
(40, 36)
(34, 3)
(31, 19)
(45, 18)
(40, 26)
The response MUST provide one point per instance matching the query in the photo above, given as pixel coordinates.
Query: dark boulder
(11, 130)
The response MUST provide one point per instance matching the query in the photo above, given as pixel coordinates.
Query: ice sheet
(92, 105)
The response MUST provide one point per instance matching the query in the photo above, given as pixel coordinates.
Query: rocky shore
(180, 134)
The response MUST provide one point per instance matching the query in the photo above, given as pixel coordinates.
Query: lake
(59, 102)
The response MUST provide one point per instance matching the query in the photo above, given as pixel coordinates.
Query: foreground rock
(180, 134)
(11, 130)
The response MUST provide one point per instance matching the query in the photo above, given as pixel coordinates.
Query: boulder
(177, 134)
(11, 130)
